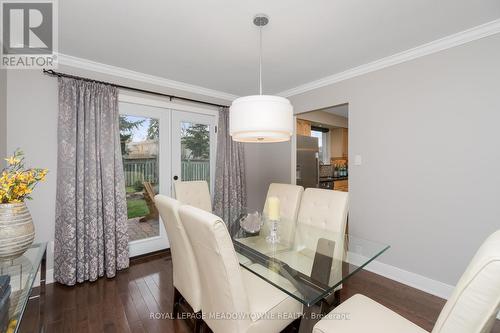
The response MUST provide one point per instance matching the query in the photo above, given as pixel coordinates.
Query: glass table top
(308, 263)
(16, 280)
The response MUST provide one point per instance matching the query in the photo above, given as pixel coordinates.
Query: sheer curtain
(91, 237)
(230, 196)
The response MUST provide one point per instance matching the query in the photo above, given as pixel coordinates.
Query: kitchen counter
(332, 179)
(334, 183)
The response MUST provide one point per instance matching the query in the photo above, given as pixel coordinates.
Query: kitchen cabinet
(303, 127)
(339, 143)
(341, 185)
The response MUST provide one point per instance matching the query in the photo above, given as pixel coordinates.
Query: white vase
(17, 231)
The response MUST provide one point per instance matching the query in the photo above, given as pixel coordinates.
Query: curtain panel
(230, 194)
(91, 237)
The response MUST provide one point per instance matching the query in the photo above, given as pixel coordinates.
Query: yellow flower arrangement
(16, 182)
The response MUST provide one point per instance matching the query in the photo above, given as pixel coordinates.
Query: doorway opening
(321, 148)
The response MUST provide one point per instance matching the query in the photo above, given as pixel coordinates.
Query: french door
(161, 142)
(193, 147)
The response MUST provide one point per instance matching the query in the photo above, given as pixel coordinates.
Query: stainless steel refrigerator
(307, 161)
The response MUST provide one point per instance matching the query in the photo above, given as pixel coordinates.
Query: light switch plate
(357, 160)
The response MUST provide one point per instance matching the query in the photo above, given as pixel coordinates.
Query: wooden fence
(140, 170)
(195, 170)
(146, 169)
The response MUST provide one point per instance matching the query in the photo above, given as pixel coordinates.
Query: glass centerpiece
(251, 222)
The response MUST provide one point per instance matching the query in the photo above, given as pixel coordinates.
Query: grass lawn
(130, 189)
(136, 208)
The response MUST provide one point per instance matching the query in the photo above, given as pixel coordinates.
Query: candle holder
(273, 236)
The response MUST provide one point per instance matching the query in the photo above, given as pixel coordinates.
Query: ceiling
(214, 44)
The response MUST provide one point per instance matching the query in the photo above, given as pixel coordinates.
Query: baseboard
(49, 277)
(414, 280)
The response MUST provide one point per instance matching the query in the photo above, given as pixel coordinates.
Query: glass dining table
(308, 263)
(17, 277)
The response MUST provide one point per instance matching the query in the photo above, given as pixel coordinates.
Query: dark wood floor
(124, 304)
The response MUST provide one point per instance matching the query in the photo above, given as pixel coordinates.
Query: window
(195, 151)
(323, 139)
(139, 138)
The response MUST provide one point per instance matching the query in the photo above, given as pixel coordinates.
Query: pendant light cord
(260, 61)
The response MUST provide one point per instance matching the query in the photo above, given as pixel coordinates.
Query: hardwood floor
(127, 302)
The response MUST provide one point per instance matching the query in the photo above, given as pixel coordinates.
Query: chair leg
(198, 324)
(207, 329)
(293, 327)
(337, 298)
(177, 299)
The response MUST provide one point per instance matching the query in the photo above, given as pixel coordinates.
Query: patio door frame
(163, 111)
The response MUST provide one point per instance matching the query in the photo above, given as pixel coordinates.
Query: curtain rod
(59, 74)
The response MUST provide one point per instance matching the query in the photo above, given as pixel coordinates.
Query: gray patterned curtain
(230, 196)
(91, 211)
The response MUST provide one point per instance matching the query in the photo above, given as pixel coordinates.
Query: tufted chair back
(289, 196)
(476, 299)
(325, 209)
(186, 276)
(194, 193)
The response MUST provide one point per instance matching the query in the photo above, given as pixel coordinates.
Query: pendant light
(261, 118)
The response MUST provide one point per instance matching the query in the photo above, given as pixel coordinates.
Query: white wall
(428, 132)
(32, 108)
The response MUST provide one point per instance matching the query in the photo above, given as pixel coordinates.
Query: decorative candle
(273, 208)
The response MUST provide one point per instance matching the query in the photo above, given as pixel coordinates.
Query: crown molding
(90, 65)
(463, 37)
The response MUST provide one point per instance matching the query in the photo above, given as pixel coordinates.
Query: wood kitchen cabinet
(339, 143)
(341, 185)
(303, 127)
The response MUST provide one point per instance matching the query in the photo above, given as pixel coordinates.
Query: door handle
(176, 177)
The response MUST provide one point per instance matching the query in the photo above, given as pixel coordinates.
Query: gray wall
(32, 110)
(428, 132)
(3, 116)
(32, 126)
(265, 163)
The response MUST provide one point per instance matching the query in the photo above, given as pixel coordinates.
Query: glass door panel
(145, 146)
(195, 151)
(140, 151)
(193, 146)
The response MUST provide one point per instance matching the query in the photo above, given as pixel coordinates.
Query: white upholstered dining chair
(471, 308)
(289, 196)
(226, 288)
(194, 193)
(325, 209)
(185, 270)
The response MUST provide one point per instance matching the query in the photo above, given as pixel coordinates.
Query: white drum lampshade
(261, 118)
